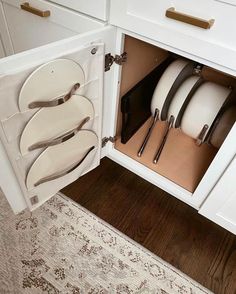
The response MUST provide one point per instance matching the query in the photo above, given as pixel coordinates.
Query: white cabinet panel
(28, 30)
(84, 49)
(98, 8)
(220, 205)
(148, 19)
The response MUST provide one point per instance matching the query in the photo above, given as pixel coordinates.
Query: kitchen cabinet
(185, 170)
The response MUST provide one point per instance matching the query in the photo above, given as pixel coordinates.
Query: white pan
(48, 123)
(168, 84)
(176, 109)
(203, 109)
(49, 81)
(182, 98)
(57, 161)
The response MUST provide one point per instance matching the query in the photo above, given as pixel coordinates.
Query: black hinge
(108, 139)
(118, 59)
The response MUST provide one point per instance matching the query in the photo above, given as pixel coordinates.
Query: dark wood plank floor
(166, 226)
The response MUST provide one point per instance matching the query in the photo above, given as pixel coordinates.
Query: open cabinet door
(51, 108)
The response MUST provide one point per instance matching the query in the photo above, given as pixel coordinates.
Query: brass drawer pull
(195, 21)
(26, 6)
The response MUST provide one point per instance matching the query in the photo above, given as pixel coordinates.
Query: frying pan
(173, 76)
(177, 106)
(203, 109)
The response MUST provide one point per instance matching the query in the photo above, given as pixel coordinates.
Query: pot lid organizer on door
(51, 121)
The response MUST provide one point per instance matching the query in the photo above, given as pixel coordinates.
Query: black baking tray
(135, 105)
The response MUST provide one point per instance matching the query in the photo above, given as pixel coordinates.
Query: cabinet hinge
(108, 139)
(118, 59)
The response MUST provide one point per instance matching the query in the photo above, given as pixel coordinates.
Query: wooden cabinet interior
(182, 161)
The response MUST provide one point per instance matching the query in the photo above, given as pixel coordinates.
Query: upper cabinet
(36, 23)
(98, 8)
(202, 28)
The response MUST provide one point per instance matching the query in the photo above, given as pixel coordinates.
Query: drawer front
(215, 44)
(28, 30)
(96, 8)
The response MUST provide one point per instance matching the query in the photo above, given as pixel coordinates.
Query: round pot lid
(49, 123)
(49, 81)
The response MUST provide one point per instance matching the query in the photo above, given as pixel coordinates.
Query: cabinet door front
(48, 145)
(37, 22)
(220, 205)
(202, 28)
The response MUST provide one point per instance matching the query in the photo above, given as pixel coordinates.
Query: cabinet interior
(181, 161)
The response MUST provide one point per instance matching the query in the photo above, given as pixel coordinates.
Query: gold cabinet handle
(42, 13)
(193, 20)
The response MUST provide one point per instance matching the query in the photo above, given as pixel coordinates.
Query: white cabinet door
(220, 206)
(29, 30)
(83, 49)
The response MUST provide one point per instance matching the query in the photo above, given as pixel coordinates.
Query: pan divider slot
(182, 161)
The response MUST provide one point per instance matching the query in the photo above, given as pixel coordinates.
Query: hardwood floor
(166, 226)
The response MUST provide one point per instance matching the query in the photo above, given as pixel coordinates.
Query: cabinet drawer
(96, 8)
(215, 44)
(29, 30)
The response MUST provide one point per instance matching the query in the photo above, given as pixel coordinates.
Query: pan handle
(170, 125)
(201, 137)
(148, 135)
(63, 172)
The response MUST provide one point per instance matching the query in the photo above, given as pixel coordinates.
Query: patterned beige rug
(63, 248)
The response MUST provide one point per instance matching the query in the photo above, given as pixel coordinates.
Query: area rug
(63, 248)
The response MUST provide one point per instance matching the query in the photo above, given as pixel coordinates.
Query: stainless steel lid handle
(64, 171)
(60, 139)
(55, 102)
